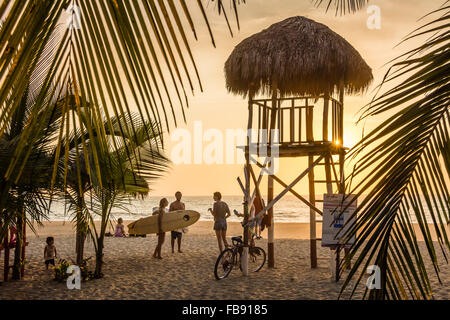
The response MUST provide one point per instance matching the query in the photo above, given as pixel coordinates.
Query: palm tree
(405, 167)
(125, 172)
(405, 163)
(123, 179)
(27, 199)
(115, 54)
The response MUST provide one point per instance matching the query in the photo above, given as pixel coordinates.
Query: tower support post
(312, 216)
(270, 231)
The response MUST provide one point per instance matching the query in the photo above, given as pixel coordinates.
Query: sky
(219, 110)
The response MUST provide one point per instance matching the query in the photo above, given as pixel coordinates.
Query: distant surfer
(221, 212)
(161, 235)
(177, 234)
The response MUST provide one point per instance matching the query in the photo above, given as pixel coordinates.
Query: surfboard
(171, 221)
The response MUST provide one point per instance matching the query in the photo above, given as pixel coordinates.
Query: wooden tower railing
(295, 120)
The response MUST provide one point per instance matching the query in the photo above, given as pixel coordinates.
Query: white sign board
(334, 222)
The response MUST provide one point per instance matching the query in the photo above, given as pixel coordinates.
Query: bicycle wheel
(224, 264)
(256, 259)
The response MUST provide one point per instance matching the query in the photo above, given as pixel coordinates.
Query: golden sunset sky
(218, 109)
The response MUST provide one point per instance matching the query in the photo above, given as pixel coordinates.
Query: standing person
(177, 234)
(221, 212)
(50, 252)
(161, 235)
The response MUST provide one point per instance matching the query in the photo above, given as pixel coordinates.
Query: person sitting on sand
(161, 235)
(12, 235)
(221, 212)
(120, 229)
(177, 234)
(50, 252)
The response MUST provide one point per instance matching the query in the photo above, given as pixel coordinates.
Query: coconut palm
(405, 166)
(118, 55)
(125, 171)
(123, 179)
(28, 199)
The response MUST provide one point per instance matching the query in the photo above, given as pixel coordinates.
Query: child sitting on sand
(50, 252)
(12, 235)
(120, 229)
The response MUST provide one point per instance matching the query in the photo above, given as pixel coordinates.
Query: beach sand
(131, 272)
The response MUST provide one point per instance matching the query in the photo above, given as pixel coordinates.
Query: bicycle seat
(237, 239)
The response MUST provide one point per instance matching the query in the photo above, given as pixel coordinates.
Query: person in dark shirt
(177, 234)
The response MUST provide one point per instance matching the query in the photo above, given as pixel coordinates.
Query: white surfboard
(171, 221)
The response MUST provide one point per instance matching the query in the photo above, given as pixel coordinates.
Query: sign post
(338, 210)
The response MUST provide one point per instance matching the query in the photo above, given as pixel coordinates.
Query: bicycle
(230, 257)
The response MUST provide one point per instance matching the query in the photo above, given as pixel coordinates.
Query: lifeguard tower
(295, 74)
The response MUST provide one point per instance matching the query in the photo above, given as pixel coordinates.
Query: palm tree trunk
(81, 237)
(81, 234)
(16, 275)
(99, 258)
(106, 211)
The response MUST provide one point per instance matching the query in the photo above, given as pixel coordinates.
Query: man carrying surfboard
(161, 234)
(177, 234)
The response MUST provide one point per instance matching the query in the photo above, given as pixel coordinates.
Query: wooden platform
(290, 150)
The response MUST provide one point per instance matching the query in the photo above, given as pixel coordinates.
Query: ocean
(287, 209)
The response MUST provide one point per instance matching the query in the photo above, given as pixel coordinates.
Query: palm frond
(343, 7)
(404, 162)
(119, 55)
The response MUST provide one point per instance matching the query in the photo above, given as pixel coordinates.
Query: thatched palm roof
(301, 55)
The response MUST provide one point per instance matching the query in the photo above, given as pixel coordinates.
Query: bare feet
(180, 251)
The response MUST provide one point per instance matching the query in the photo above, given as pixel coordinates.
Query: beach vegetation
(119, 55)
(404, 168)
